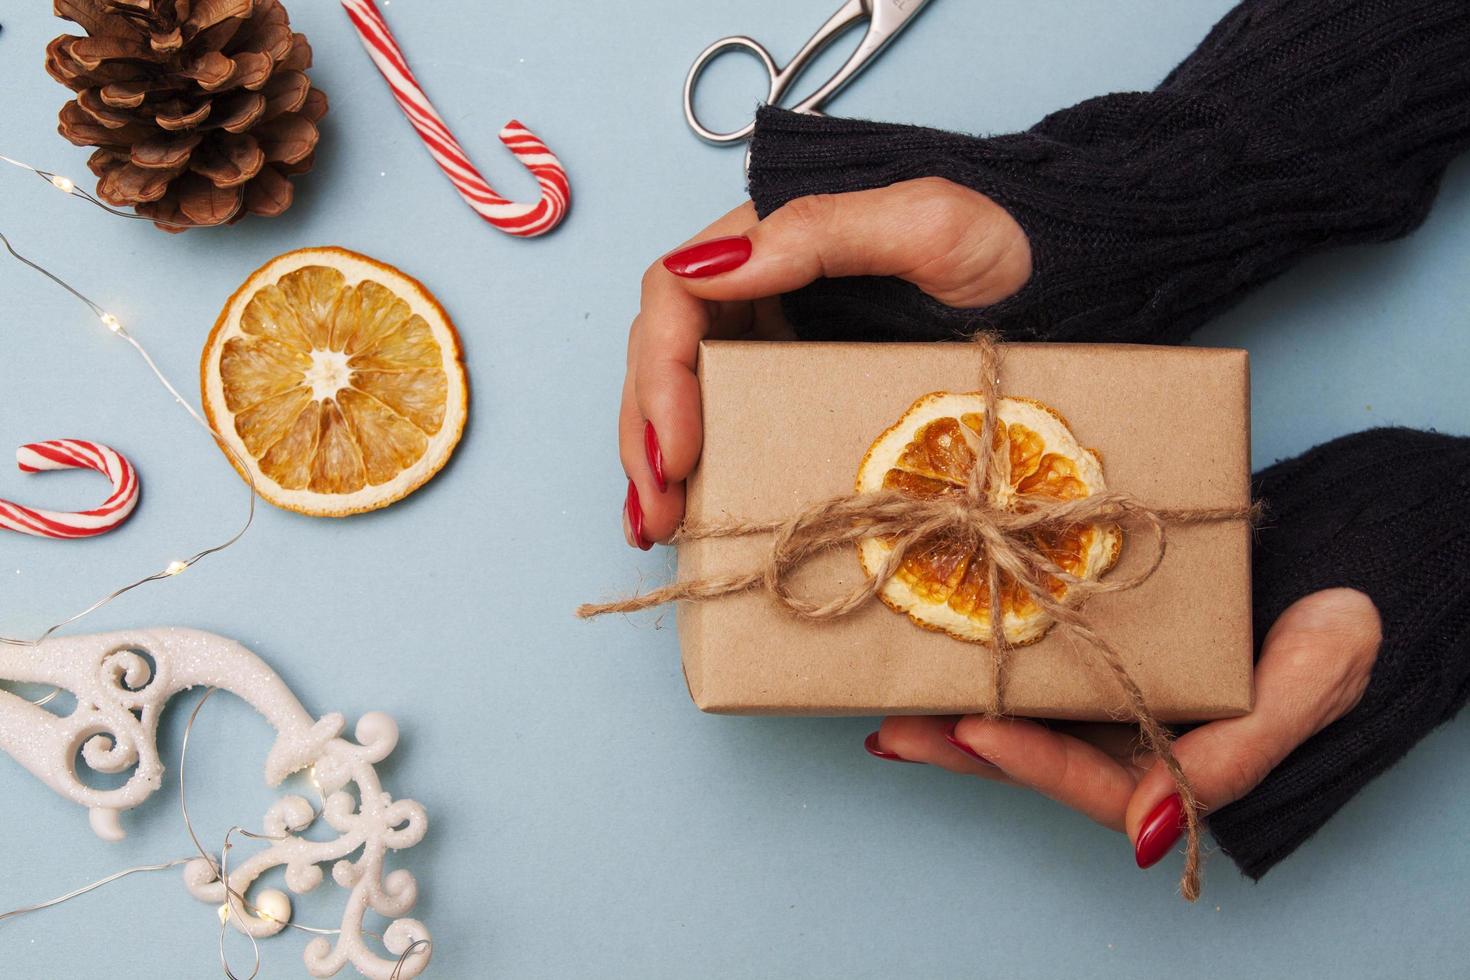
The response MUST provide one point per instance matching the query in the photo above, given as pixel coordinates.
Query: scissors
(885, 19)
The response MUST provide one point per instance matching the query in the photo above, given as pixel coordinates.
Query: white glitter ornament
(122, 681)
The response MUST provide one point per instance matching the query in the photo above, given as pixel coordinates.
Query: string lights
(271, 905)
(275, 907)
(69, 187)
(115, 326)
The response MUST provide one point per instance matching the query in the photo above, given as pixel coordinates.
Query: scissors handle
(849, 14)
(700, 63)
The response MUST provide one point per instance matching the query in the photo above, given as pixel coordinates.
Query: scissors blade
(888, 17)
(885, 19)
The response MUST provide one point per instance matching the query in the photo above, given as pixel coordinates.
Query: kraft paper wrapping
(786, 424)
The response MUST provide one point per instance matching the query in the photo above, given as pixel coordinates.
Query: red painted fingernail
(951, 738)
(1159, 832)
(633, 520)
(655, 456)
(709, 258)
(878, 752)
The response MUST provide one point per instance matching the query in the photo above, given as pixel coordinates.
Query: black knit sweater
(1297, 125)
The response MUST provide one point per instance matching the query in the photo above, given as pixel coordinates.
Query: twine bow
(1003, 528)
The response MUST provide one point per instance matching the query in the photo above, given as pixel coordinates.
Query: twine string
(1008, 530)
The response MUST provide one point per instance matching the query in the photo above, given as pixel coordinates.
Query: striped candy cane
(511, 217)
(66, 454)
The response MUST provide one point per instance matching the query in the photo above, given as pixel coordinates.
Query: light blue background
(586, 820)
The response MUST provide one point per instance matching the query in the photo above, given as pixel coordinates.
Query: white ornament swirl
(123, 680)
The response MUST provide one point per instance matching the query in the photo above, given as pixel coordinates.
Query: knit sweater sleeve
(1387, 512)
(1296, 125)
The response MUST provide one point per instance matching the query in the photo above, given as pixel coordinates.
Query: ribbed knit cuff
(798, 155)
(1125, 246)
(1292, 128)
(1386, 512)
(1150, 212)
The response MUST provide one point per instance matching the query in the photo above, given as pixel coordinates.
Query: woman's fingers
(662, 431)
(630, 425)
(955, 244)
(1314, 667)
(650, 508)
(1069, 770)
(659, 426)
(926, 738)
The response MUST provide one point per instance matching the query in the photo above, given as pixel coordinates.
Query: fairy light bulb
(272, 905)
(116, 327)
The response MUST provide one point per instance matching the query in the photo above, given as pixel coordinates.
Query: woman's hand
(955, 244)
(1313, 669)
(963, 249)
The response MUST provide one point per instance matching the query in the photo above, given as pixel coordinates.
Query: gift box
(786, 424)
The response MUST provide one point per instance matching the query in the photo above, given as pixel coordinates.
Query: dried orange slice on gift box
(337, 379)
(930, 452)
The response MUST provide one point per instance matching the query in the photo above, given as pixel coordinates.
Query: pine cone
(201, 109)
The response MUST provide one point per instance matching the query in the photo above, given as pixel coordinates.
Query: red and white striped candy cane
(65, 454)
(511, 217)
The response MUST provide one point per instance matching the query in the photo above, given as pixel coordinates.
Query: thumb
(1314, 666)
(955, 244)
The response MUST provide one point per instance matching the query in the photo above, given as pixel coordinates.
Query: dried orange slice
(337, 379)
(929, 452)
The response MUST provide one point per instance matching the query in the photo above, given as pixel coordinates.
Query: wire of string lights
(178, 565)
